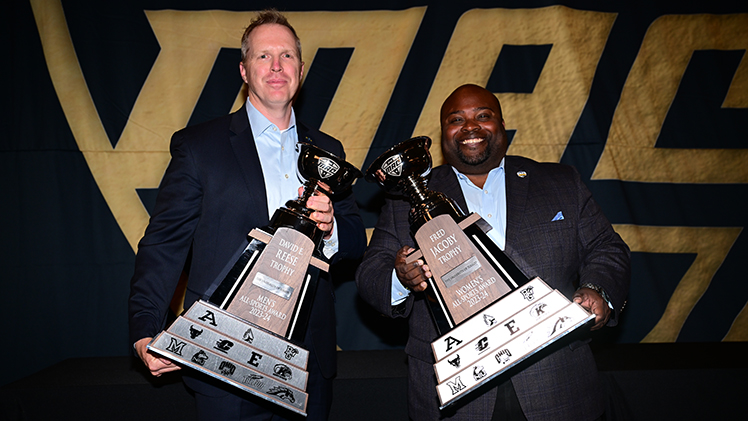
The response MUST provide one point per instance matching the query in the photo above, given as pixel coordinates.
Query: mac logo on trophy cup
(257, 310)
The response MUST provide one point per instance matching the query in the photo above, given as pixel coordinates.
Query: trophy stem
(415, 187)
(309, 187)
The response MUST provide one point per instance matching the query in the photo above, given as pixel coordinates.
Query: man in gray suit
(545, 220)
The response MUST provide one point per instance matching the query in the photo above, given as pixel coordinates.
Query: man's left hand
(593, 302)
(323, 211)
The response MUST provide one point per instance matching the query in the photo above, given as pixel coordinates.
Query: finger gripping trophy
(491, 318)
(246, 330)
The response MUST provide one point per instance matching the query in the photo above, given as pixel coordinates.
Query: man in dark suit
(226, 177)
(546, 221)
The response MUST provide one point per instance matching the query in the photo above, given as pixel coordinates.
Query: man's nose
(470, 125)
(276, 66)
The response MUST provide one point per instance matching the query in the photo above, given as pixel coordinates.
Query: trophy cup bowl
(403, 168)
(408, 159)
(314, 165)
(319, 165)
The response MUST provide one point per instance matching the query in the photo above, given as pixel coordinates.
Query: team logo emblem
(208, 317)
(455, 361)
(254, 380)
(282, 371)
(195, 332)
(538, 310)
(290, 352)
(482, 344)
(527, 293)
(479, 372)
(560, 324)
(226, 368)
(451, 341)
(327, 167)
(503, 356)
(176, 346)
(393, 165)
(200, 358)
(283, 393)
(456, 386)
(223, 345)
(248, 336)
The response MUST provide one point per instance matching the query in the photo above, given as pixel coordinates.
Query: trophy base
(238, 353)
(501, 337)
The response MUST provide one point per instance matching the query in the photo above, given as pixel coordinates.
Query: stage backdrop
(647, 99)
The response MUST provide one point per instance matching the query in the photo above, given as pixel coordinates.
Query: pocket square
(559, 217)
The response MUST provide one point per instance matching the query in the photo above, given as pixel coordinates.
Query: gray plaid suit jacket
(580, 248)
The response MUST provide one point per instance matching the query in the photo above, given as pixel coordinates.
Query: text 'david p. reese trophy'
(247, 330)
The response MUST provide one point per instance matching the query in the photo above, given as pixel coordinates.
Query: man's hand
(412, 275)
(593, 302)
(155, 363)
(323, 211)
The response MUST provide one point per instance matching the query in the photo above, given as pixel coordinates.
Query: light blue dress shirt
(489, 202)
(278, 159)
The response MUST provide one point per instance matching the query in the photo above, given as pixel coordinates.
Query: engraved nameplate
(471, 283)
(277, 283)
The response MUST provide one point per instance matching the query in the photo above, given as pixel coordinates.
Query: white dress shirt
(278, 158)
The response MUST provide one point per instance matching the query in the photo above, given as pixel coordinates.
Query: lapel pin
(521, 174)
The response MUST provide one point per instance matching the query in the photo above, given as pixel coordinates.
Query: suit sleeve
(163, 250)
(351, 232)
(374, 274)
(605, 256)
(350, 226)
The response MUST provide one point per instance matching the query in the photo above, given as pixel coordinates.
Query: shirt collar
(259, 123)
(464, 179)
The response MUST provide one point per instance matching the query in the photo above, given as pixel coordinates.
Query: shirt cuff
(399, 292)
(331, 246)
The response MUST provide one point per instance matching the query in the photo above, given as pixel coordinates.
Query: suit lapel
(517, 183)
(302, 131)
(244, 147)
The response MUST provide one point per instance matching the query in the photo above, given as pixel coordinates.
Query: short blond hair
(263, 18)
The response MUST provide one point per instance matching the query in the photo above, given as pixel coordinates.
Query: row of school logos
(230, 349)
(502, 336)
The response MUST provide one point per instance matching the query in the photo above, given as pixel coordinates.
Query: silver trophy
(247, 330)
(491, 318)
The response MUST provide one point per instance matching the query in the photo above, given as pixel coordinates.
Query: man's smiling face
(473, 136)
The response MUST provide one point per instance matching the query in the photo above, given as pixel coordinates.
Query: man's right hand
(412, 275)
(156, 364)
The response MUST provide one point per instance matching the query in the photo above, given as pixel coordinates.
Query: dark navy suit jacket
(580, 248)
(211, 196)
